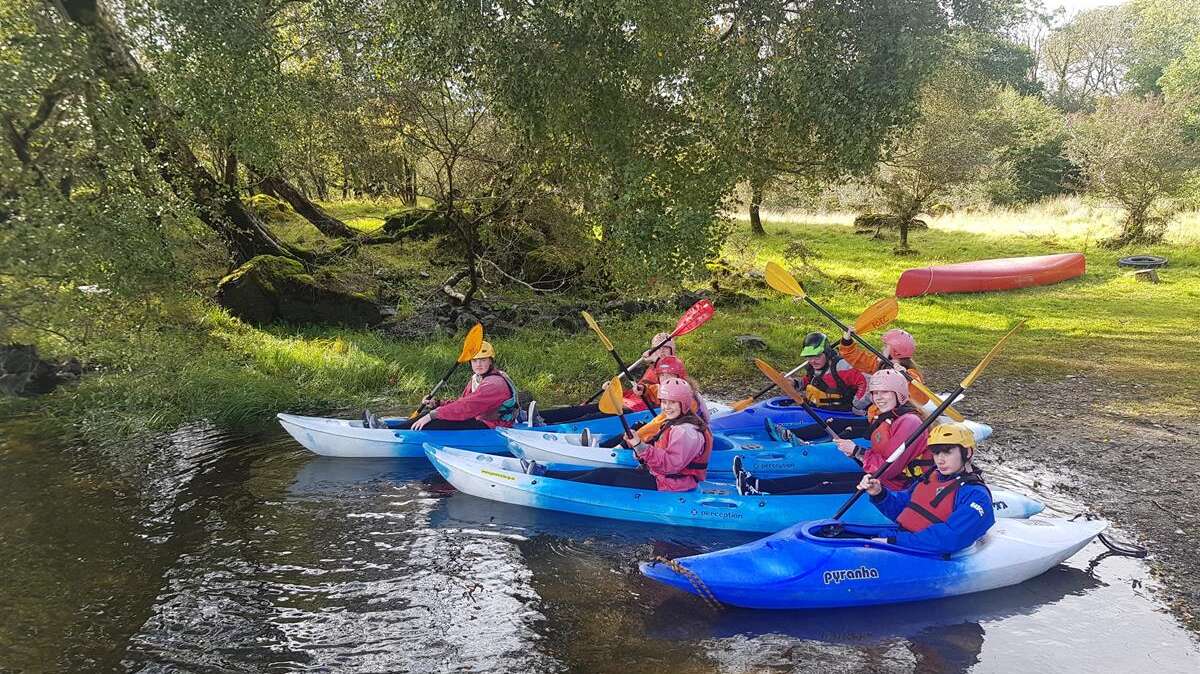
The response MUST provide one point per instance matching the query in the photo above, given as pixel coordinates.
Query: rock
(722, 297)
(414, 222)
(270, 289)
(570, 322)
(751, 342)
(629, 306)
(22, 372)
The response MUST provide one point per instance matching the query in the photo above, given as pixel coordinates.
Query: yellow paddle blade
(608, 345)
(742, 404)
(612, 401)
(779, 379)
(990, 355)
(471, 343)
(782, 280)
(877, 315)
(933, 397)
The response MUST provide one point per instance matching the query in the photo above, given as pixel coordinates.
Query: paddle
(966, 383)
(696, 315)
(469, 348)
(779, 279)
(785, 385)
(612, 350)
(872, 318)
(613, 400)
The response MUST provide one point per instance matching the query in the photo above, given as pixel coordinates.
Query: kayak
(785, 412)
(799, 569)
(712, 505)
(761, 457)
(1007, 273)
(348, 437)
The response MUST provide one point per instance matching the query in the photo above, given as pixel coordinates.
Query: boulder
(414, 222)
(272, 289)
(751, 342)
(22, 372)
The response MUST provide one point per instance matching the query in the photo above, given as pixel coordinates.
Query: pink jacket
(671, 453)
(478, 401)
(885, 440)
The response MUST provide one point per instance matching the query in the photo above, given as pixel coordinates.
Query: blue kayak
(348, 437)
(751, 422)
(799, 568)
(760, 456)
(712, 505)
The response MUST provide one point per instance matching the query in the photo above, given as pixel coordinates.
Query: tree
(957, 137)
(1134, 151)
(1162, 32)
(1087, 58)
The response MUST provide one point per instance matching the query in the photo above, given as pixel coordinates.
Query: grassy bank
(1122, 332)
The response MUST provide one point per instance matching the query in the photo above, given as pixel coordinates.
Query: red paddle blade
(697, 315)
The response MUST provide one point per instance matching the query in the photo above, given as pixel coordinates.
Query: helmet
(815, 344)
(678, 390)
(671, 365)
(485, 351)
(900, 343)
(890, 380)
(953, 434)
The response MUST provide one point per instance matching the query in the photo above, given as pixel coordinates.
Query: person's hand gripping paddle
(470, 347)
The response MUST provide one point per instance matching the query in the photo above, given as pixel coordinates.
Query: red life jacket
(698, 468)
(881, 432)
(932, 500)
(832, 392)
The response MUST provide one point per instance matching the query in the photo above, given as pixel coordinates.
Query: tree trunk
(230, 173)
(756, 197)
(215, 204)
(329, 225)
(408, 189)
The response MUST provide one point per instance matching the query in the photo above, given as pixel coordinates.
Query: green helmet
(815, 344)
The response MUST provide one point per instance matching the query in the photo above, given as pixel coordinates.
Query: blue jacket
(971, 518)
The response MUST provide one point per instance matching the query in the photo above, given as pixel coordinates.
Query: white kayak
(712, 505)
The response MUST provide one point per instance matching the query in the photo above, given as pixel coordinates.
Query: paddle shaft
(768, 389)
(625, 371)
(820, 420)
(621, 365)
(929, 421)
(857, 337)
(437, 387)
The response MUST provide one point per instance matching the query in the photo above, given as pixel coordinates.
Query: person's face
(885, 401)
(673, 409)
(817, 362)
(481, 365)
(949, 460)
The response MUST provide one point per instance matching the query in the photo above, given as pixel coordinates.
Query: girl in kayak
(675, 459)
(898, 345)
(648, 383)
(827, 380)
(947, 509)
(488, 401)
(895, 421)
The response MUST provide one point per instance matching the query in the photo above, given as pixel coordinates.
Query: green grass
(1118, 330)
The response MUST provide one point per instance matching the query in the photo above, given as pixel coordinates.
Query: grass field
(1105, 324)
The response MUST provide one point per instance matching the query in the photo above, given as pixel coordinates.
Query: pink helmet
(888, 380)
(678, 390)
(900, 343)
(671, 365)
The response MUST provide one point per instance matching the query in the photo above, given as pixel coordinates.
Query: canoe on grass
(1007, 273)
(712, 505)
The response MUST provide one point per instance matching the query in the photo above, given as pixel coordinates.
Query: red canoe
(983, 275)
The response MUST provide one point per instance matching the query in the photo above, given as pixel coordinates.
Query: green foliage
(1163, 32)
(1133, 151)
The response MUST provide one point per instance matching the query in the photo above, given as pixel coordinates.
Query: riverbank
(1099, 380)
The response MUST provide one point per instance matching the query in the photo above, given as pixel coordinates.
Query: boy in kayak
(894, 422)
(827, 380)
(947, 509)
(675, 459)
(488, 401)
(898, 345)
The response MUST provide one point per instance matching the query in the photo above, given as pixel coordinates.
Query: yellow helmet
(485, 351)
(952, 434)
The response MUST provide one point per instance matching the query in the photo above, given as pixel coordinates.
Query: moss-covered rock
(269, 208)
(272, 289)
(414, 222)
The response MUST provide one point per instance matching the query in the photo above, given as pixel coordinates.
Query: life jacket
(508, 410)
(698, 468)
(835, 395)
(880, 431)
(932, 500)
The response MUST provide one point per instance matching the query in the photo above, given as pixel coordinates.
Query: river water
(206, 552)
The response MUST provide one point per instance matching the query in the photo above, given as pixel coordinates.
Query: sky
(1076, 6)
